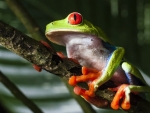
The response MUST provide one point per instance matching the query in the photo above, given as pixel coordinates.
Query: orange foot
(121, 93)
(89, 75)
(37, 68)
(97, 101)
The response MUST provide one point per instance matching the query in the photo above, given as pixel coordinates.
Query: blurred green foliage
(125, 22)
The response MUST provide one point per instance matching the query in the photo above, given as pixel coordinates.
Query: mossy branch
(37, 53)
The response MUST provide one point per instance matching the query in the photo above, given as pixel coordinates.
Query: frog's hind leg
(136, 85)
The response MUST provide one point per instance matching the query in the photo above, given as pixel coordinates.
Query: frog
(101, 61)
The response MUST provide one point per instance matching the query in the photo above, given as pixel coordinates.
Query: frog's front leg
(124, 90)
(96, 78)
(89, 75)
(113, 62)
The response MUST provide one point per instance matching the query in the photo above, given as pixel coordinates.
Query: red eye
(75, 18)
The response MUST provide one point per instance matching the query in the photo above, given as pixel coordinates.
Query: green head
(73, 23)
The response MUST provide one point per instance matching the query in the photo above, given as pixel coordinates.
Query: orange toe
(91, 91)
(115, 106)
(74, 60)
(97, 101)
(84, 70)
(114, 89)
(119, 94)
(126, 104)
(38, 68)
(72, 80)
(46, 44)
(61, 55)
(79, 91)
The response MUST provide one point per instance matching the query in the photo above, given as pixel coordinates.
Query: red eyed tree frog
(101, 61)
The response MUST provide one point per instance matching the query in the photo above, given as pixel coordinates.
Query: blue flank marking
(110, 48)
(133, 80)
(129, 79)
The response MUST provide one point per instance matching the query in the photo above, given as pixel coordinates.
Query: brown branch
(38, 54)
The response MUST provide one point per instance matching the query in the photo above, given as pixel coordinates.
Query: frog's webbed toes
(97, 101)
(46, 44)
(72, 80)
(126, 102)
(122, 92)
(88, 75)
(37, 68)
(91, 91)
(79, 91)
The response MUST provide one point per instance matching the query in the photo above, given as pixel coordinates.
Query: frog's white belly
(89, 54)
(93, 58)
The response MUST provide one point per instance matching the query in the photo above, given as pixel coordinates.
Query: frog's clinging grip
(87, 45)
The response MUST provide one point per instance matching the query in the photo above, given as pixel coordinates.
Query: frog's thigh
(131, 70)
(134, 88)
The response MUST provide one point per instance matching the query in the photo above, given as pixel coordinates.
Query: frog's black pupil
(75, 17)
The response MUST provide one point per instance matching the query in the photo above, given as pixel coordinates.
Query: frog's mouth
(61, 37)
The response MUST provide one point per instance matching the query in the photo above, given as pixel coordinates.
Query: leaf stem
(18, 94)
